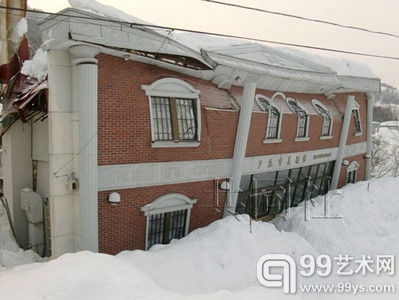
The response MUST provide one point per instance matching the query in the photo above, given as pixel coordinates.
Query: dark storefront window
(270, 193)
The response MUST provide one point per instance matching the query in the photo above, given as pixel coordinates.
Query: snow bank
(10, 253)
(367, 220)
(219, 261)
(19, 30)
(220, 256)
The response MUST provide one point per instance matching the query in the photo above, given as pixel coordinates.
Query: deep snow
(219, 261)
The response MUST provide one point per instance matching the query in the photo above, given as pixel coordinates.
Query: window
(351, 172)
(167, 218)
(327, 120)
(303, 119)
(356, 118)
(274, 118)
(175, 113)
(266, 194)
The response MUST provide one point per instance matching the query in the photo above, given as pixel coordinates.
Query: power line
(134, 24)
(305, 18)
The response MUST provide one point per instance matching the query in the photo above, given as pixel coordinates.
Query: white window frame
(352, 167)
(173, 88)
(168, 203)
(316, 103)
(271, 105)
(356, 108)
(306, 137)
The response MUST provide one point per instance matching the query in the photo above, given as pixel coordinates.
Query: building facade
(146, 139)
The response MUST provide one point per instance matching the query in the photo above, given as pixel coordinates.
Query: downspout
(240, 146)
(370, 103)
(342, 142)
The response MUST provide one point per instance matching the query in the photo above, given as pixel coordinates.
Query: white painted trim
(317, 102)
(271, 104)
(356, 107)
(299, 139)
(302, 139)
(168, 203)
(127, 176)
(167, 144)
(272, 141)
(177, 88)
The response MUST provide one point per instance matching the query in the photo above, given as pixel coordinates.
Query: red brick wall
(124, 137)
(123, 226)
(124, 126)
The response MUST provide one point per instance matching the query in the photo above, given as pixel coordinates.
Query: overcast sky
(382, 15)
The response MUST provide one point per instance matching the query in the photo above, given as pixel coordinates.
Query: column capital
(84, 54)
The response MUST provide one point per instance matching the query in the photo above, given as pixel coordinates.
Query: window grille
(173, 119)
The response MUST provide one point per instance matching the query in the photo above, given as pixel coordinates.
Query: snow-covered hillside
(219, 261)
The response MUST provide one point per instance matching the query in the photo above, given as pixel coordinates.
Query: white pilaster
(240, 146)
(370, 103)
(85, 87)
(342, 142)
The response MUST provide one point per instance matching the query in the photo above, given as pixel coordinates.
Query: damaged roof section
(130, 39)
(23, 98)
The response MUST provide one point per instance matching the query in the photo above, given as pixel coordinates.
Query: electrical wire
(141, 25)
(304, 18)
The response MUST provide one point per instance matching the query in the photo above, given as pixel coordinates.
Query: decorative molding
(112, 177)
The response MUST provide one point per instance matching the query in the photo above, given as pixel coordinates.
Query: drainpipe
(342, 142)
(370, 103)
(240, 146)
(85, 86)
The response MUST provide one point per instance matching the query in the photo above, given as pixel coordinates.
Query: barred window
(164, 227)
(274, 117)
(351, 172)
(175, 113)
(303, 118)
(168, 218)
(173, 119)
(327, 120)
(356, 118)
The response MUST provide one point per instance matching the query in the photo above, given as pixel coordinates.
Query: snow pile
(220, 256)
(10, 253)
(219, 261)
(385, 158)
(19, 30)
(37, 67)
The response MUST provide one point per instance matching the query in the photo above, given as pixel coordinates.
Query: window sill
(272, 141)
(302, 139)
(358, 134)
(174, 144)
(326, 137)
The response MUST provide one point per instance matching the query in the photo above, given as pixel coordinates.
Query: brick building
(146, 138)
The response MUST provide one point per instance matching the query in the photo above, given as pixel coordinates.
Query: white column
(240, 146)
(342, 142)
(370, 103)
(85, 87)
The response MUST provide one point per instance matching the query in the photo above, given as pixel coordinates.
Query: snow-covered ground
(219, 261)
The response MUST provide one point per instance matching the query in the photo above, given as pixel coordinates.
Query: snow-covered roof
(224, 61)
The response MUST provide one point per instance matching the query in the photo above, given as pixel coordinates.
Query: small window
(167, 218)
(175, 113)
(303, 119)
(327, 120)
(356, 118)
(351, 172)
(274, 117)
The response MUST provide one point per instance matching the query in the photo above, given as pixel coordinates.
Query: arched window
(175, 113)
(303, 119)
(351, 172)
(168, 218)
(325, 114)
(274, 117)
(356, 118)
